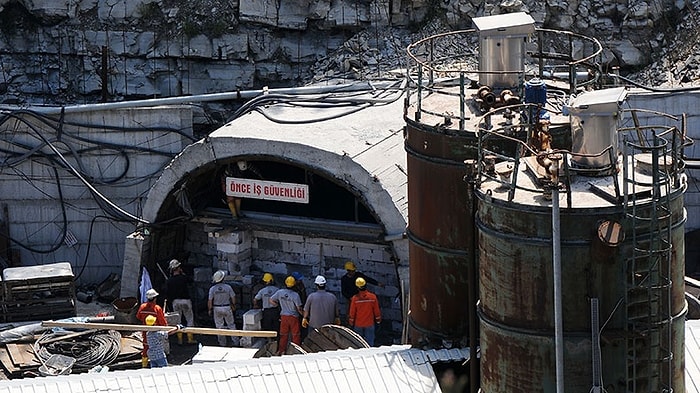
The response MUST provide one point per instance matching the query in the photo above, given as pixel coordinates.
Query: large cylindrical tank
(440, 227)
(516, 281)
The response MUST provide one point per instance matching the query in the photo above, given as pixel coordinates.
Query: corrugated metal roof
(692, 356)
(396, 368)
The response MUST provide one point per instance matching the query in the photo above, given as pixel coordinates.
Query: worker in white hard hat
(177, 294)
(321, 307)
(271, 313)
(150, 308)
(222, 306)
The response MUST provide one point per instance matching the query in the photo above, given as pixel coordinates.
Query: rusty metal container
(516, 310)
(439, 229)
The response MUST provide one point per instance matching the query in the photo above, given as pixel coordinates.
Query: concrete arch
(341, 167)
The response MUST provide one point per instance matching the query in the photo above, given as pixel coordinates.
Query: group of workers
(288, 310)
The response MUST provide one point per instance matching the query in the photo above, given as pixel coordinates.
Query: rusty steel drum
(440, 226)
(516, 309)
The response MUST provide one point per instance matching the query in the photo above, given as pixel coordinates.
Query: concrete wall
(106, 149)
(677, 104)
(247, 254)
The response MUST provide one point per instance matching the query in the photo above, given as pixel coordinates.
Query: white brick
(252, 317)
(232, 248)
(295, 247)
(291, 238)
(266, 235)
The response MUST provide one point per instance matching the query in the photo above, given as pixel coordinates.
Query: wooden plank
(144, 328)
(7, 362)
(22, 355)
(15, 354)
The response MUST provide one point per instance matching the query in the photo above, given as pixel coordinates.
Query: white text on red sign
(271, 190)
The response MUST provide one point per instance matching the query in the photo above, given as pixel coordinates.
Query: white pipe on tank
(556, 260)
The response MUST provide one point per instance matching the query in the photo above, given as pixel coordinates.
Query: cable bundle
(100, 348)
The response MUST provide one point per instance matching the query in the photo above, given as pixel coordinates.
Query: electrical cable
(656, 89)
(100, 348)
(354, 101)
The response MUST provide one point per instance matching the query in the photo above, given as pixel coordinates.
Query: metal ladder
(648, 281)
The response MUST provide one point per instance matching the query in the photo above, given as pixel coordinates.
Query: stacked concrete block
(252, 320)
(234, 250)
(202, 274)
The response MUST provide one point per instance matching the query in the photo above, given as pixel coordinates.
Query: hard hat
(151, 294)
(320, 280)
(289, 281)
(350, 265)
(297, 276)
(218, 276)
(360, 282)
(174, 264)
(150, 320)
(267, 278)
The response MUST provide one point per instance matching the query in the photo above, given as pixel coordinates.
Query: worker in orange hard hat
(290, 313)
(271, 314)
(364, 311)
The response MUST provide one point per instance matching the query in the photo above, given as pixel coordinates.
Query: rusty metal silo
(440, 232)
(448, 90)
(581, 267)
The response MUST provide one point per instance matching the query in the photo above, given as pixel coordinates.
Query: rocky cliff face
(83, 51)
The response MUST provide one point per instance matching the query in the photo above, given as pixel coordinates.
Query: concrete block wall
(35, 205)
(282, 254)
(253, 252)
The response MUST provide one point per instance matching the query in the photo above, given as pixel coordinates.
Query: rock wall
(83, 51)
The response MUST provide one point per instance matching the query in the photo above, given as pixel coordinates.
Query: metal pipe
(236, 95)
(558, 320)
(472, 295)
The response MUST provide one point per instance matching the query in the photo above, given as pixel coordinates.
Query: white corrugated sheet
(692, 356)
(396, 368)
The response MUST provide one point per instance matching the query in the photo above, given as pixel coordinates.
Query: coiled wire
(100, 348)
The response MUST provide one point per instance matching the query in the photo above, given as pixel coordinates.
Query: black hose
(97, 349)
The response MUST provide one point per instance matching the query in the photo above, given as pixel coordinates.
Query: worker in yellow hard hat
(271, 314)
(364, 311)
(290, 313)
(155, 340)
(347, 281)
